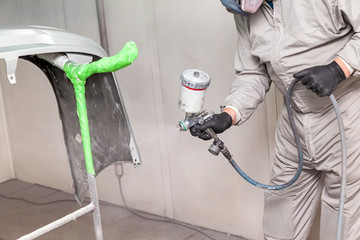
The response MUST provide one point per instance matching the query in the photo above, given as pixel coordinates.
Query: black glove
(218, 123)
(322, 80)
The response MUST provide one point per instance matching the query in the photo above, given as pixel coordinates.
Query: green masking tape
(78, 73)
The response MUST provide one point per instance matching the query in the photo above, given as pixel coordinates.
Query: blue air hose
(343, 168)
(227, 154)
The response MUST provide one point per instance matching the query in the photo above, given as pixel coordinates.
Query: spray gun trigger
(205, 117)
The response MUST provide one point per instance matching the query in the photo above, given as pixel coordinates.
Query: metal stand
(96, 212)
(92, 207)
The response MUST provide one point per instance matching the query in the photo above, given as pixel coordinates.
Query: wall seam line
(6, 133)
(161, 118)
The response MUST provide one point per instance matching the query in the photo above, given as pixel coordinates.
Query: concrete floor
(18, 218)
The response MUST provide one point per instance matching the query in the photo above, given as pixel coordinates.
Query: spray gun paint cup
(192, 95)
(193, 89)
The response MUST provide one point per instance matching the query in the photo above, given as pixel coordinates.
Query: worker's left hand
(322, 80)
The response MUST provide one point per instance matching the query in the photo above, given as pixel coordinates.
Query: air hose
(218, 146)
(343, 168)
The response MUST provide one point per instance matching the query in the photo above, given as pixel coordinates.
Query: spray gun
(191, 100)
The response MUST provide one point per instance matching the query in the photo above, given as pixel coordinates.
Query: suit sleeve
(251, 81)
(349, 12)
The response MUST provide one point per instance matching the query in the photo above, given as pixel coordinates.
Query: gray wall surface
(179, 179)
(6, 165)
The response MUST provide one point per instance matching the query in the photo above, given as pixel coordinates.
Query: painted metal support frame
(92, 207)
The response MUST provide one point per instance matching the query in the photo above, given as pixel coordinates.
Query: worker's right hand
(218, 123)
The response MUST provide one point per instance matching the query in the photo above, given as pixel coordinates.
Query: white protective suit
(273, 45)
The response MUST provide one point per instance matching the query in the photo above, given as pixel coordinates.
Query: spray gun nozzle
(183, 125)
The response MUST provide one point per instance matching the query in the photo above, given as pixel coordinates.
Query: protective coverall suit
(273, 45)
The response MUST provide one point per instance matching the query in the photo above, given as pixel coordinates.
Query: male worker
(318, 42)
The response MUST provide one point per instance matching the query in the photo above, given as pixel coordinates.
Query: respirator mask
(243, 7)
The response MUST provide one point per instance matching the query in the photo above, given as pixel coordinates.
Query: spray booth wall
(178, 179)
